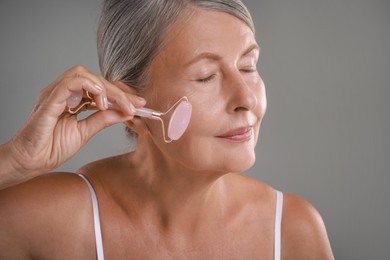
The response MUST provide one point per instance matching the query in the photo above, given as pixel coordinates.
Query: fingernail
(99, 88)
(141, 99)
(105, 102)
(132, 108)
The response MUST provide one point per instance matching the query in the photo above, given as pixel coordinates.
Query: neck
(175, 193)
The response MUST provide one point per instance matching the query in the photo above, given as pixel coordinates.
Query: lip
(241, 134)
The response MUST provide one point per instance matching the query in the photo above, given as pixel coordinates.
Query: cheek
(195, 149)
(169, 104)
(199, 150)
(261, 97)
(157, 129)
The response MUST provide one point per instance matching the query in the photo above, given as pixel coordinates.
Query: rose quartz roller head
(178, 122)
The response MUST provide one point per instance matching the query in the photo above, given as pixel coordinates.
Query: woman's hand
(51, 135)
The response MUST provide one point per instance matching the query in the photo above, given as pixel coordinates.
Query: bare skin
(51, 136)
(184, 200)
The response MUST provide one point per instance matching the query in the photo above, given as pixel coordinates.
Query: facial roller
(179, 117)
(178, 122)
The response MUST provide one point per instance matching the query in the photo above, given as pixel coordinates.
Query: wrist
(11, 170)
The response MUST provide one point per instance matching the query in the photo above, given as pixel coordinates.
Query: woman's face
(211, 59)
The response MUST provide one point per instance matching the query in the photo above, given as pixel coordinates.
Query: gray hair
(130, 33)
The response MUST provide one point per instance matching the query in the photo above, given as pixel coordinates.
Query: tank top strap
(278, 225)
(96, 220)
(98, 234)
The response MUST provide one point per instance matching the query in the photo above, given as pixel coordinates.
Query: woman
(180, 200)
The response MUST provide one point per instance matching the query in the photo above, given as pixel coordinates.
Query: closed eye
(249, 70)
(207, 79)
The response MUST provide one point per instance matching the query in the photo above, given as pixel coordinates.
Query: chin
(235, 163)
(239, 160)
(240, 166)
(220, 163)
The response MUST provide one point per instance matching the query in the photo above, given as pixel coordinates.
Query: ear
(138, 125)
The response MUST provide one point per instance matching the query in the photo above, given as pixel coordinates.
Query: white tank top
(98, 233)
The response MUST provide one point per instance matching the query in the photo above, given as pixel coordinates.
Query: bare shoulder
(45, 190)
(304, 234)
(41, 211)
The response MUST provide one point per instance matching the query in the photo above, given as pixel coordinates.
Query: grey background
(326, 65)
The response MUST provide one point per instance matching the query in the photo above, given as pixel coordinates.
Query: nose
(242, 92)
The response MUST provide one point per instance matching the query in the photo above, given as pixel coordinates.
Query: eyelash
(205, 80)
(249, 70)
(209, 78)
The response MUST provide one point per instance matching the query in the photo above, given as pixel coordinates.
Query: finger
(73, 72)
(133, 94)
(124, 102)
(80, 71)
(77, 72)
(57, 101)
(53, 99)
(70, 73)
(118, 96)
(100, 98)
(94, 123)
(124, 96)
(111, 96)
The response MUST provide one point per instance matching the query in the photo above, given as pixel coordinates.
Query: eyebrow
(252, 47)
(203, 55)
(213, 56)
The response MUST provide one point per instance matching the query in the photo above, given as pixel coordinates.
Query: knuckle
(76, 71)
(79, 68)
(64, 83)
(73, 69)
